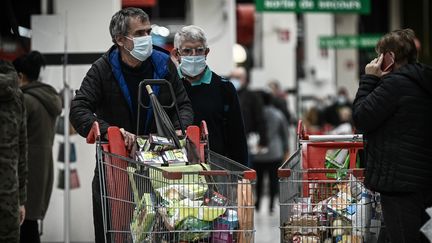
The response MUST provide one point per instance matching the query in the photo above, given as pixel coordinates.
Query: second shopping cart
(322, 195)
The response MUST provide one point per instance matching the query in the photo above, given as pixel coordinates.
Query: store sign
(300, 6)
(346, 42)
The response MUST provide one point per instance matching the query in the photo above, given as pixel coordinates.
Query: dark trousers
(97, 210)
(261, 169)
(404, 215)
(29, 232)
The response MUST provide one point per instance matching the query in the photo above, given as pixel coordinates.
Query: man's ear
(175, 54)
(393, 55)
(120, 40)
(207, 52)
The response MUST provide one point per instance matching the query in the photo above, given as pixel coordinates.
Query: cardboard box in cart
(322, 197)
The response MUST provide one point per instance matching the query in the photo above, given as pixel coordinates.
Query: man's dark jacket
(104, 97)
(252, 108)
(217, 104)
(395, 115)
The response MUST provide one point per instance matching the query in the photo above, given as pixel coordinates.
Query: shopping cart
(211, 201)
(322, 203)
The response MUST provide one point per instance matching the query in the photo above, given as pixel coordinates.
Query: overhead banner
(348, 41)
(300, 6)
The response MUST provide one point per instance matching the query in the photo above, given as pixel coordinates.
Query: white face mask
(192, 66)
(143, 47)
(236, 83)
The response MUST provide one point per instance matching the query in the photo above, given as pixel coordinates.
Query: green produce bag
(338, 159)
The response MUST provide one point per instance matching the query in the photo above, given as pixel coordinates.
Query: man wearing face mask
(214, 99)
(109, 91)
(252, 108)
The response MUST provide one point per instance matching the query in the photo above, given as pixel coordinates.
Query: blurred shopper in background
(393, 110)
(43, 105)
(332, 114)
(280, 99)
(269, 161)
(214, 99)
(253, 112)
(109, 91)
(13, 154)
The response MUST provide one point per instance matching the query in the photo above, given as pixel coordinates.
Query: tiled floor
(266, 224)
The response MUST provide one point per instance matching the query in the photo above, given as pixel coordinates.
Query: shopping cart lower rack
(204, 202)
(331, 211)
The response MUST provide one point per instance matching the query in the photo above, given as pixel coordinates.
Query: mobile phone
(387, 63)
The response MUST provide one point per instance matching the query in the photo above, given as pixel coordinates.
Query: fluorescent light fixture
(23, 31)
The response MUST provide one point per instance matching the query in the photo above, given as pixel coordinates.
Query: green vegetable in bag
(192, 227)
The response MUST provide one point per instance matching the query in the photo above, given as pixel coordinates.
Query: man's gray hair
(190, 33)
(119, 25)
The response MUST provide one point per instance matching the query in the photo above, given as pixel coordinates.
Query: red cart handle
(94, 133)
(301, 133)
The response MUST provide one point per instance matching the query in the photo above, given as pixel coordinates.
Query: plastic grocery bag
(338, 159)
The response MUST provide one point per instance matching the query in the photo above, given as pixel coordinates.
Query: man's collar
(205, 79)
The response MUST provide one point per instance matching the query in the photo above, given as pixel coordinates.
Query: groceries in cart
(160, 150)
(190, 208)
(338, 159)
(342, 211)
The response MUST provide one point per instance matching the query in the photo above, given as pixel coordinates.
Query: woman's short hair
(119, 25)
(401, 42)
(190, 33)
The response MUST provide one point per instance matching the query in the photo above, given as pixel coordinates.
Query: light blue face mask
(143, 47)
(192, 66)
(236, 83)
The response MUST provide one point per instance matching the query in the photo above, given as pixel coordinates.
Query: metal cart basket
(322, 195)
(210, 201)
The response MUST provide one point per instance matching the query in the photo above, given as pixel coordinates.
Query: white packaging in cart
(305, 239)
(362, 217)
(175, 156)
(302, 205)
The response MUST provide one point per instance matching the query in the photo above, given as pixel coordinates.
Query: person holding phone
(392, 109)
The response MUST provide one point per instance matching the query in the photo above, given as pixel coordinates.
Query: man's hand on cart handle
(128, 137)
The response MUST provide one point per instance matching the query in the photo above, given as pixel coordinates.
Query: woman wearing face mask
(214, 99)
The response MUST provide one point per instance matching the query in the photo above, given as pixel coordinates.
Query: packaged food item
(348, 239)
(158, 143)
(304, 224)
(213, 198)
(175, 156)
(305, 239)
(302, 205)
(149, 157)
(141, 141)
(181, 191)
